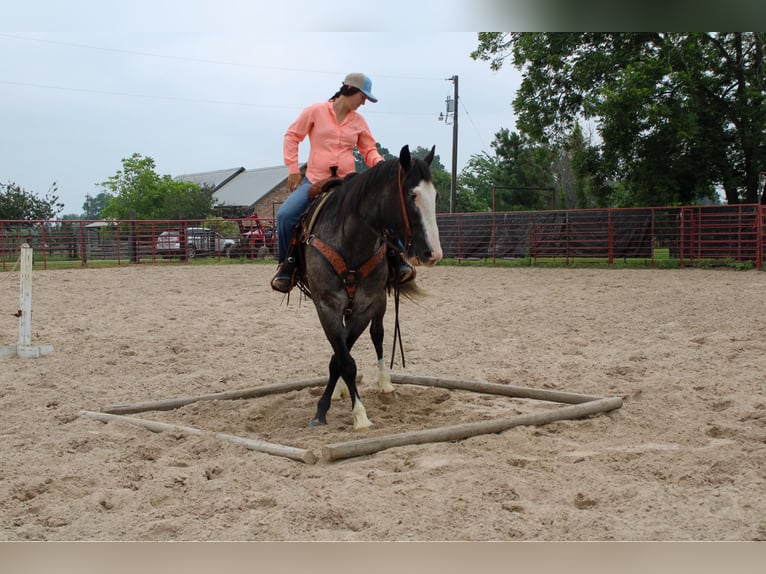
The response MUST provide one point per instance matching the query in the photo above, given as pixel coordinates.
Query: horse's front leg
(342, 372)
(358, 412)
(388, 394)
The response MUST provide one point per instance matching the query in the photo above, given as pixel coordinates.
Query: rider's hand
(293, 181)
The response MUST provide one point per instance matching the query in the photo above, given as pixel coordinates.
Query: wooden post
(494, 389)
(25, 297)
(275, 449)
(170, 404)
(361, 447)
(24, 349)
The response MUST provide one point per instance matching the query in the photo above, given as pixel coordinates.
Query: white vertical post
(25, 349)
(25, 297)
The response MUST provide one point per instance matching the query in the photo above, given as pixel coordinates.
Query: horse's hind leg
(384, 376)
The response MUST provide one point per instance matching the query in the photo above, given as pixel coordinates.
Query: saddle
(319, 193)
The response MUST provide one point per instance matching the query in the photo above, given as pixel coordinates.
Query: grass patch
(661, 259)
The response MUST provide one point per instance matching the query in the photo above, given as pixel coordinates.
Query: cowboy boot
(406, 271)
(284, 279)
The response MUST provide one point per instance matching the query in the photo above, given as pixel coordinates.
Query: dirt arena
(683, 459)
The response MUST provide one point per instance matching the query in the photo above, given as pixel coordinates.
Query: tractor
(255, 240)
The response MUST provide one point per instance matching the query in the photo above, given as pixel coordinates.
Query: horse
(361, 222)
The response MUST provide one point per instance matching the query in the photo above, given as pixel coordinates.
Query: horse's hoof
(389, 398)
(317, 423)
(364, 428)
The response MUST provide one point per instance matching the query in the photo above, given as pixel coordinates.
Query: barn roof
(211, 179)
(250, 186)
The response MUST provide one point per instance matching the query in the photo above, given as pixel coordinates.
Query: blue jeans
(288, 215)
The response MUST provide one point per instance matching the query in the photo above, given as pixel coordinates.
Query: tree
(678, 114)
(517, 177)
(443, 183)
(19, 204)
(441, 179)
(94, 206)
(359, 161)
(137, 191)
(576, 170)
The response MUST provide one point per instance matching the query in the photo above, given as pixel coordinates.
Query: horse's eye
(413, 196)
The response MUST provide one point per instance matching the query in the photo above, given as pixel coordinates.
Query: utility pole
(452, 114)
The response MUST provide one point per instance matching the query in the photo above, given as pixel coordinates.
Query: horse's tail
(411, 290)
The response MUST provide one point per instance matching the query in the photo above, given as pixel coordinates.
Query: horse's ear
(430, 157)
(404, 157)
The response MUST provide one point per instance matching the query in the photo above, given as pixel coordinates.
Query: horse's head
(418, 198)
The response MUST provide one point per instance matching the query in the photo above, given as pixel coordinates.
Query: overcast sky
(202, 86)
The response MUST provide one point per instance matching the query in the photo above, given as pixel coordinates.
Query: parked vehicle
(200, 242)
(255, 240)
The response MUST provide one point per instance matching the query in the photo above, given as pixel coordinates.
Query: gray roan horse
(344, 269)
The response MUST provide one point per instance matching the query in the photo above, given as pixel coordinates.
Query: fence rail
(667, 236)
(672, 235)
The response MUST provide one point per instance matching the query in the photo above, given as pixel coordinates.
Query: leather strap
(350, 277)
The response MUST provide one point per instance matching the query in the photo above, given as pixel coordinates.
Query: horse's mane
(351, 194)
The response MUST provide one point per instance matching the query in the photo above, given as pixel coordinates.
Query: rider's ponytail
(345, 90)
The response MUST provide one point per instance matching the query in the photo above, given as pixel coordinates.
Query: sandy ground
(683, 459)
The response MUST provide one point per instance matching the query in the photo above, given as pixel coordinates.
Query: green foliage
(93, 207)
(17, 203)
(360, 166)
(678, 114)
(138, 192)
(441, 178)
(225, 227)
(517, 177)
(417, 152)
(443, 183)
(421, 153)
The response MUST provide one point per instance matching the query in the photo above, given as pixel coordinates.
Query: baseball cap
(363, 83)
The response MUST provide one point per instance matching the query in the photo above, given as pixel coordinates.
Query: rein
(407, 244)
(405, 217)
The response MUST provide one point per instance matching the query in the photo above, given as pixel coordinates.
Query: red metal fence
(667, 236)
(672, 235)
(108, 242)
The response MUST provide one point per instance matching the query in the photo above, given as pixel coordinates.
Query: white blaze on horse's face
(425, 201)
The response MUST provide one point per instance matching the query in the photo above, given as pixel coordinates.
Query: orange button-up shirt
(330, 143)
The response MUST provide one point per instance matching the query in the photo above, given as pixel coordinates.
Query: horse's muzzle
(428, 258)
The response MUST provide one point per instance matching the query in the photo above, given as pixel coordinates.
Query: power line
(185, 99)
(156, 55)
(470, 119)
(144, 96)
(196, 60)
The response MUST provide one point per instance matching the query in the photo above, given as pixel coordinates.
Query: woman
(334, 128)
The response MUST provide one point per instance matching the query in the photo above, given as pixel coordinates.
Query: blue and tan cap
(363, 83)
